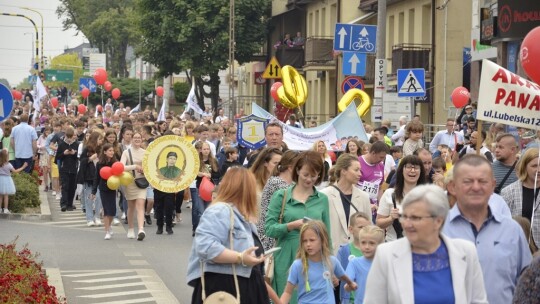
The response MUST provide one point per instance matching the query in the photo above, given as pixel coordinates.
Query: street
(119, 270)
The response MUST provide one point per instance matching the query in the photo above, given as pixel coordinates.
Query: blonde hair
(526, 158)
(372, 230)
(320, 229)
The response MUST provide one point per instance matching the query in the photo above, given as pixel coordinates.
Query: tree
(181, 91)
(106, 24)
(129, 89)
(67, 62)
(194, 35)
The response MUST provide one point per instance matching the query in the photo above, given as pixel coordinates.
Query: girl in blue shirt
(314, 267)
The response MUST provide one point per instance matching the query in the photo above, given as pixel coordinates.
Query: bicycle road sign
(411, 82)
(355, 38)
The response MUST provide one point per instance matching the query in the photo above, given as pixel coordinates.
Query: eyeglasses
(411, 167)
(413, 218)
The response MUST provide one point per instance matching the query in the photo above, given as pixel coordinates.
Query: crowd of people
(456, 218)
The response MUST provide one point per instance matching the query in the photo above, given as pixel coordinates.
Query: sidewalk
(45, 214)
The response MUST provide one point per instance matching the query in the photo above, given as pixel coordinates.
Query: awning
(362, 18)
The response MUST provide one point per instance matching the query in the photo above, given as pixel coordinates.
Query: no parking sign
(352, 82)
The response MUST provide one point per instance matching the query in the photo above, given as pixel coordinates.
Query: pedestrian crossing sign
(411, 82)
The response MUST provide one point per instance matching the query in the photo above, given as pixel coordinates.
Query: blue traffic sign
(411, 83)
(6, 102)
(354, 63)
(89, 83)
(355, 38)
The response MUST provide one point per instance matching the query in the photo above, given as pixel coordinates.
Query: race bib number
(372, 189)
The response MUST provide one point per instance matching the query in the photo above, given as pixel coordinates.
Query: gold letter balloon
(293, 93)
(350, 96)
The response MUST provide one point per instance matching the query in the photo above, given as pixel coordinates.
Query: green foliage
(67, 62)
(129, 92)
(27, 195)
(194, 35)
(181, 91)
(107, 25)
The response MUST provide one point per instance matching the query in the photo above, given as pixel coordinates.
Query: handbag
(395, 223)
(140, 182)
(269, 262)
(222, 297)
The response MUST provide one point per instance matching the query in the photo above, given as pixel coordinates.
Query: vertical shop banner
(508, 98)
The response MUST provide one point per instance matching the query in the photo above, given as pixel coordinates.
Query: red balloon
(460, 97)
(205, 189)
(17, 95)
(100, 75)
(54, 102)
(159, 91)
(115, 93)
(81, 109)
(117, 168)
(530, 54)
(105, 172)
(273, 90)
(332, 156)
(85, 92)
(107, 85)
(99, 108)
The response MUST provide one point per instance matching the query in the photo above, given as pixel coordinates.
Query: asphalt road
(120, 270)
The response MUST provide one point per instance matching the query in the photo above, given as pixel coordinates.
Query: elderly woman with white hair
(425, 266)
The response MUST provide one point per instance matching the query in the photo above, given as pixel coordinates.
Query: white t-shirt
(385, 206)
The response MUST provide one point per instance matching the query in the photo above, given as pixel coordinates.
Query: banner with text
(508, 98)
(335, 133)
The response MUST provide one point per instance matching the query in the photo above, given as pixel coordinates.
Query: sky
(17, 35)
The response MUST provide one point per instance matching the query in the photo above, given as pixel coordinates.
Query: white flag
(161, 115)
(192, 101)
(39, 93)
(136, 109)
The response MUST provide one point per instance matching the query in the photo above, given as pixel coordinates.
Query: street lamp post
(41, 46)
(32, 49)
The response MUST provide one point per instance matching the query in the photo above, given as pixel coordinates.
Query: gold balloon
(113, 182)
(284, 100)
(294, 87)
(350, 96)
(126, 178)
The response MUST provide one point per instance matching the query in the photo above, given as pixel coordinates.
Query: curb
(55, 279)
(44, 216)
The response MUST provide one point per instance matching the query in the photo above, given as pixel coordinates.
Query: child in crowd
(466, 116)
(439, 171)
(314, 267)
(397, 154)
(351, 250)
(221, 157)
(370, 237)
(413, 135)
(44, 159)
(7, 187)
(232, 160)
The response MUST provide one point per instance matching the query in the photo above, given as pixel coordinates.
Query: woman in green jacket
(300, 202)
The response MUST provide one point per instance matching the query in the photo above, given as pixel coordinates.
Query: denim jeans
(91, 204)
(197, 207)
(19, 162)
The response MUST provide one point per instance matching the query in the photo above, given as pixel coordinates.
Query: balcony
(371, 5)
(319, 51)
(293, 56)
(409, 56)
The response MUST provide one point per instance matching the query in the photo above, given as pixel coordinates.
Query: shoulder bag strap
(283, 205)
(131, 160)
(231, 228)
(346, 198)
(499, 187)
